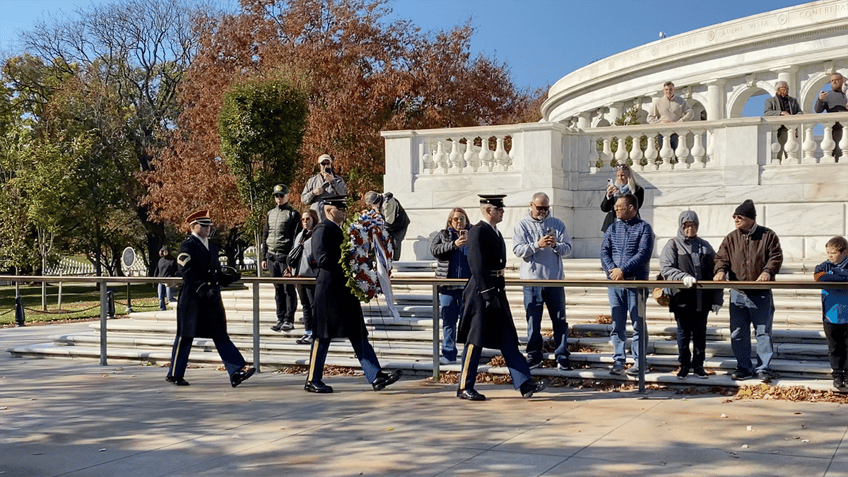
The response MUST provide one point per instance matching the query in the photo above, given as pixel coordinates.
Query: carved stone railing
(801, 145)
(467, 150)
(648, 147)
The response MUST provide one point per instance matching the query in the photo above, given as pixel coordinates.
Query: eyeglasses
(325, 163)
(542, 207)
(458, 219)
(738, 217)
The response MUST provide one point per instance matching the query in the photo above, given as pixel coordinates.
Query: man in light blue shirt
(541, 242)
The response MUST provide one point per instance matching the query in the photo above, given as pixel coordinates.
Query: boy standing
(835, 308)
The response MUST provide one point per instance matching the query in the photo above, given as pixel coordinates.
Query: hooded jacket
(682, 257)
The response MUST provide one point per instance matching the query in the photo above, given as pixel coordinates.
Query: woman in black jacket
(449, 248)
(624, 183)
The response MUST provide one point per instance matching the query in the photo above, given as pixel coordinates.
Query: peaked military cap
(200, 217)
(493, 199)
(339, 201)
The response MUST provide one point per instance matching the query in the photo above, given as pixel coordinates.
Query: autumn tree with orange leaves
(361, 74)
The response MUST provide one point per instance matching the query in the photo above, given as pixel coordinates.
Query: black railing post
(110, 302)
(104, 308)
(436, 367)
(20, 316)
(129, 299)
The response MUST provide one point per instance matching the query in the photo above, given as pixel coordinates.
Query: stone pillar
(583, 120)
(716, 98)
(613, 112)
(788, 74)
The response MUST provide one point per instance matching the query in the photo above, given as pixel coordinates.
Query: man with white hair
(781, 104)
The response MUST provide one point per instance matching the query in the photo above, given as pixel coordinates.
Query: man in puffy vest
(277, 238)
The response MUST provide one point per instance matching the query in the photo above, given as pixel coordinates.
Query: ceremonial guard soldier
(200, 311)
(486, 320)
(337, 312)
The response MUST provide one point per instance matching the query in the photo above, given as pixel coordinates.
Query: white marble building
(724, 160)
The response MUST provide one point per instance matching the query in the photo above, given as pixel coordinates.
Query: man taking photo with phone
(322, 185)
(541, 241)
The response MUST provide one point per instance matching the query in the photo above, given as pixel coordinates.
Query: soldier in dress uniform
(337, 312)
(200, 311)
(486, 319)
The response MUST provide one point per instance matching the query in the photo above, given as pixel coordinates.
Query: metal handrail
(435, 283)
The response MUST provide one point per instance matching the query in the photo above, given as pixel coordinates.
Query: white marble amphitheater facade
(725, 159)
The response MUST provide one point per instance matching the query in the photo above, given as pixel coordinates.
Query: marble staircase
(800, 348)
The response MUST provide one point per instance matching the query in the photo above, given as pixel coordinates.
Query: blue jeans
(535, 299)
(164, 290)
(753, 308)
(450, 304)
(623, 301)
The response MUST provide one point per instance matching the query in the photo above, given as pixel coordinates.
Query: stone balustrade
(715, 166)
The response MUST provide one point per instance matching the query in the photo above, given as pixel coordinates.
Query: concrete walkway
(77, 418)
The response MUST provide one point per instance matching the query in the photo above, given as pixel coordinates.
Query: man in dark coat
(281, 226)
(337, 312)
(486, 320)
(200, 311)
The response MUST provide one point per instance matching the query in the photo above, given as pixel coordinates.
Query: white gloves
(716, 307)
(689, 281)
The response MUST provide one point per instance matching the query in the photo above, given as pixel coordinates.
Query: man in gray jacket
(781, 104)
(541, 242)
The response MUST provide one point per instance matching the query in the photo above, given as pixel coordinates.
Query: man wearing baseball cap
(324, 184)
(278, 233)
(200, 312)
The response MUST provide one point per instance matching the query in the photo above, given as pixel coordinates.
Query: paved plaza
(77, 418)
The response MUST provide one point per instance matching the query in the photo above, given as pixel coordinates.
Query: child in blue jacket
(835, 308)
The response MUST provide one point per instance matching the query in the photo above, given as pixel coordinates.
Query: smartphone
(463, 233)
(609, 182)
(550, 232)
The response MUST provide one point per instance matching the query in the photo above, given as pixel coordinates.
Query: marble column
(716, 99)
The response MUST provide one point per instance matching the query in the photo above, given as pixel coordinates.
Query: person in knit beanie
(750, 253)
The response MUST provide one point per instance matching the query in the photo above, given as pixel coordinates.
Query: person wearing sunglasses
(541, 242)
(750, 253)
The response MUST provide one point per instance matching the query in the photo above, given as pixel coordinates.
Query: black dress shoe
(317, 387)
(470, 395)
(241, 376)
(176, 381)
(528, 388)
(382, 380)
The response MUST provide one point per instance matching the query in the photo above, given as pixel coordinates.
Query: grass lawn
(79, 301)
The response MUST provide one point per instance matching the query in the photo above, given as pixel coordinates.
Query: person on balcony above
(624, 183)
(833, 101)
(669, 109)
(781, 104)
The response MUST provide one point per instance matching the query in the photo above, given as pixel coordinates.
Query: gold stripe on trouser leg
(176, 356)
(312, 360)
(464, 375)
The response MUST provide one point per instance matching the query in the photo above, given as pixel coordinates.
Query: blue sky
(541, 40)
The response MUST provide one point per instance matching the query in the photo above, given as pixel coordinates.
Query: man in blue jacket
(625, 255)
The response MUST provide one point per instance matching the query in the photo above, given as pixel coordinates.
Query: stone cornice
(817, 20)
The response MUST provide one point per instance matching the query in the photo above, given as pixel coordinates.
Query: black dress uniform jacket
(485, 318)
(200, 311)
(337, 311)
